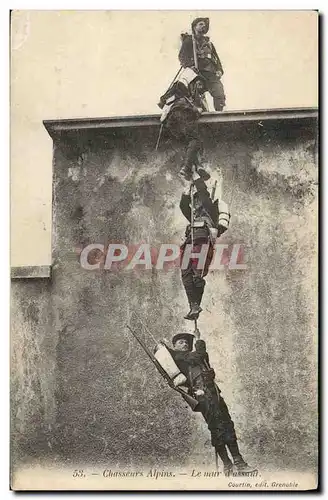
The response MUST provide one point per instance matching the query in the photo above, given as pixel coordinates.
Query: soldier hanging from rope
(201, 385)
(183, 104)
(189, 373)
(208, 220)
(197, 51)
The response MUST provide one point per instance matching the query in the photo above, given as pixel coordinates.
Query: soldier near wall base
(194, 364)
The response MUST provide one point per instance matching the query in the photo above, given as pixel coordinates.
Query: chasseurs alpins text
(152, 473)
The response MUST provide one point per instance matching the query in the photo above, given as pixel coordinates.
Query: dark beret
(189, 337)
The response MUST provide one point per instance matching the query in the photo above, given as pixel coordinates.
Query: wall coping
(28, 272)
(116, 122)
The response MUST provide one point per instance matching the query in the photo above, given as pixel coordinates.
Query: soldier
(201, 385)
(182, 107)
(208, 61)
(210, 219)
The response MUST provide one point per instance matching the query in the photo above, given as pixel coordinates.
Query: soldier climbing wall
(208, 219)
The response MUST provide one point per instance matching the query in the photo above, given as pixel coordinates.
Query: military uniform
(201, 385)
(205, 217)
(182, 124)
(209, 64)
(183, 107)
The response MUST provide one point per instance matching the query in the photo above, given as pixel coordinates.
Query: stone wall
(103, 399)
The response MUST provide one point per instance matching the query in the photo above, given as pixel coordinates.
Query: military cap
(189, 337)
(198, 19)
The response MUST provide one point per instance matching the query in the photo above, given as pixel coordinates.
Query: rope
(159, 137)
(216, 460)
(192, 216)
(174, 78)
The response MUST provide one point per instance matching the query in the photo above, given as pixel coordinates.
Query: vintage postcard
(164, 240)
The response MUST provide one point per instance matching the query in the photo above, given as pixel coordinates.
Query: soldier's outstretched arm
(200, 344)
(200, 347)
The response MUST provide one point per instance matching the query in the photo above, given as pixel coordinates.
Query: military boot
(203, 172)
(187, 316)
(201, 167)
(241, 465)
(194, 312)
(227, 468)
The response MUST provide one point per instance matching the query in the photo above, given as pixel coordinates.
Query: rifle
(159, 137)
(192, 402)
(194, 49)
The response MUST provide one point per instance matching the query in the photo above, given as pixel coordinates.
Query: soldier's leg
(192, 293)
(209, 257)
(194, 146)
(198, 280)
(199, 286)
(177, 128)
(193, 280)
(226, 421)
(216, 89)
(230, 436)
(217, 440)
(238, 459)
(223, 454)
(201, 164)
(187, 280)
(235, 453)
(199, 274)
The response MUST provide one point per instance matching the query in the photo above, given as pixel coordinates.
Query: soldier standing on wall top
(201, 385)
(208, 61)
